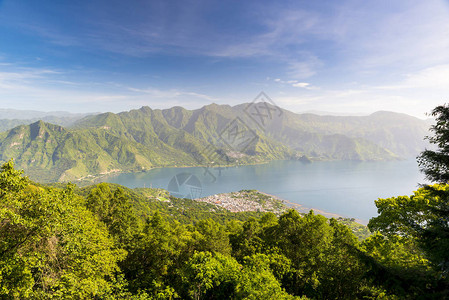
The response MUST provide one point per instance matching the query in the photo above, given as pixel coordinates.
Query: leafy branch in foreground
(435, 163)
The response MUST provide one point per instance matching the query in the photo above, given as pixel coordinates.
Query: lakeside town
(253, 200)
(246, 200)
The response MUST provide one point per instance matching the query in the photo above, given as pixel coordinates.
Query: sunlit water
(341, 187)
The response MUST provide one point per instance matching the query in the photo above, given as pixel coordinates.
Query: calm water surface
(345, 188)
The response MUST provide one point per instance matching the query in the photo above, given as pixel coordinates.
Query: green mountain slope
(51, 152)
(212, 135)
(186, 132)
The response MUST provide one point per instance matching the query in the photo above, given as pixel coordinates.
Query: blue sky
(336, 56)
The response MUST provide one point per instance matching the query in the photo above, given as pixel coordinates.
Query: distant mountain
(6, 124)
(10, 114)
(10, 118)
(399, 134)
(212, 135)
(329, 113)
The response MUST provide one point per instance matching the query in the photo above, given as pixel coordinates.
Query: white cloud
(301, 84)
(433, 77)
(436, 77)
(296, 84)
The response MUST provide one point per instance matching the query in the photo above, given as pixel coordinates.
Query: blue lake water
(345, 188)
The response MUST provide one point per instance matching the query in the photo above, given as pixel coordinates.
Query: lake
(346, 188)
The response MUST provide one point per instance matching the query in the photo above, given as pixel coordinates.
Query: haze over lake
(347, 188)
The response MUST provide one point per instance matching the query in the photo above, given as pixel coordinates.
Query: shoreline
(303, 209)
(93, 177)
(240, 201)
(291, 203)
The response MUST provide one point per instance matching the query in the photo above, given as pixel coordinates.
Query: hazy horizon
(60, 112)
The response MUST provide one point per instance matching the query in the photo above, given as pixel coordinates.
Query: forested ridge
(107, 242)
(145, 138)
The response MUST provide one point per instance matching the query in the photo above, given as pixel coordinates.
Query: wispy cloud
(364, 36)
(409, 34)
(296, 84)
(303, 69)
(43, 89)
(187, 32)
(172, 93)
(14, 80)
(436, 77)
(301, 84)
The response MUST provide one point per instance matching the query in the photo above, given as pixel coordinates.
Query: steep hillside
(398, 134)
(50, 152)
(212, 135)
(189, 132)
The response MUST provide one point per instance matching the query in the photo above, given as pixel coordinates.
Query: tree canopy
(109, 242)
(435, 163)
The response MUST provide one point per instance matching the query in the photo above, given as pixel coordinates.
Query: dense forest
(105, 241)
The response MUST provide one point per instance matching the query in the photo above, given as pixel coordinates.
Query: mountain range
(10, 118)
(83, 146)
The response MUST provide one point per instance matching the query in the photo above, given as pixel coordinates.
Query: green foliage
(360, 231)
(213, 237)
(343, 272)
(313, 256)
(410, 253)
(400, 265)
(423, 218)
(258, 282)
(434, 164)
(211, 276)
(50, 243)
(156, 254)
(115, 210)
(10, 180)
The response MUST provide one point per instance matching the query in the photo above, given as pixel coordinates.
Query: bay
(345, 188)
